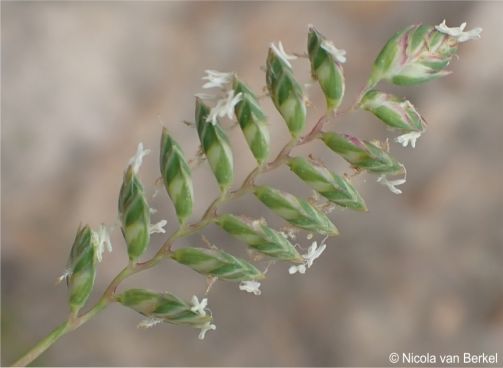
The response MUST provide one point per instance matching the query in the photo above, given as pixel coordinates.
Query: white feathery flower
(391, 184)
(152, 210)
(149, 322)
(314, 252)
(339, 55)
(217, 79)
(224, 107)
(250, 287)
(137, 159)
(470, 35)
(158, 227)
(101, 240)
(458, 32)
(281, 53)
(205, 328)
(199, 307)
(65, 275)
(407, 138)
(297, 268)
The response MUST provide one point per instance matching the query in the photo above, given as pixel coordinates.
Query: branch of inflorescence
(73, 322)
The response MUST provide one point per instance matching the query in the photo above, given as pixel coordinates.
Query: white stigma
(281, 53)
(199, 307)
(391, 184)
(313, 253)
(137, 159)
(205, 328)
(250, 287)
(158, 227)
(101, 240)
(458, 32)
(149, 322)
(66, 274)
(339, 55)
(217, 79)
(224, 107)
(407, 138)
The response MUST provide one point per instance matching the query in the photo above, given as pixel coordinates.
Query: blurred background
(83, 83)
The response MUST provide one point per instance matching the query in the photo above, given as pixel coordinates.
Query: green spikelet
(217, 263)
(259, 237)
(165, 306)
(286, 94)
(134, 214)
(82, 268)
(253, 121)
(414, 55)
(325, 69)
(215, 145)
(362, 154)
(177, 177)
(296, 211)
(398, 114)
(335, 188)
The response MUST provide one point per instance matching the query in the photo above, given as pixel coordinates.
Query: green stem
(43, 345)
(358, 100)
(74, 322)
(108, 296)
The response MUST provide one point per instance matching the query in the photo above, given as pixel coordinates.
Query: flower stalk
(164, 252)
(417, 54)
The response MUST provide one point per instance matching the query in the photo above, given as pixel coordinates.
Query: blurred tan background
(83, 83)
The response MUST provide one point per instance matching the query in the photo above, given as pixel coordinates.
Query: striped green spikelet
(217, 263)
(216, 146)
(414, 55)
(134, 215)
(335, 188)
(325, 69)
(253, 121)
(82, 268)
(296, 211)
(176, 176)
(286, 94)
(165, 306)
(362, 155)
(397, 113)
(259, 237)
